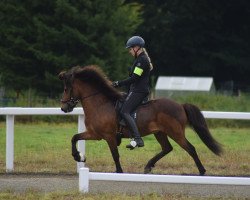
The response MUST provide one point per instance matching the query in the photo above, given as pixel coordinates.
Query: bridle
(72, 102)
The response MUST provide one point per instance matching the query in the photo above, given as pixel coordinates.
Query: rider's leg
(130, 104)
(134, 131)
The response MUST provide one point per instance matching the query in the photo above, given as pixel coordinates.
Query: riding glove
(115, 84)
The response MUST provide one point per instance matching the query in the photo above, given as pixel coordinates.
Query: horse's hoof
(202, 172)
(147, 170)
(82, 157)
(76, 157)
(79, 157)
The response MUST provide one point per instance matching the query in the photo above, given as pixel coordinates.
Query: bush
(218, 102)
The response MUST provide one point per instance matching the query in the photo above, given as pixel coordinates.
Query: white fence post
(84, 179)
(81, 143)
(9, 143)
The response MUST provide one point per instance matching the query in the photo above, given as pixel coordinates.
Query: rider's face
(132, 50)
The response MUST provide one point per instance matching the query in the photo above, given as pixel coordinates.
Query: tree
(41, 38)
(199, 38)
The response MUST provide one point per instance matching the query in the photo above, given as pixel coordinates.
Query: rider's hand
(115, 84)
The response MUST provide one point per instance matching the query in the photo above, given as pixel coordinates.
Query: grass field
(46, 148)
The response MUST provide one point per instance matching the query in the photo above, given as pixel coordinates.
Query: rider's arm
(133, 78)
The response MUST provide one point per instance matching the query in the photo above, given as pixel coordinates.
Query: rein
(75, 101)
(90, 95)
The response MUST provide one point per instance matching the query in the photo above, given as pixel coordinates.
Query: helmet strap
(135, 52)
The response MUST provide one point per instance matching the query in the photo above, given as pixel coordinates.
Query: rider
(138, 83)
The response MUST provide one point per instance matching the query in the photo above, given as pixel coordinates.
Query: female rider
(138, 83)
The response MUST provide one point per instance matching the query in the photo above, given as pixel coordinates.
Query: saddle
(118, 105)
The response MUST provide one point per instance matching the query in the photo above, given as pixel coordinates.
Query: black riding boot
(137, 142)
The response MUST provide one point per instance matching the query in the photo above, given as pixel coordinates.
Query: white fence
(11, 112)
(85, 176)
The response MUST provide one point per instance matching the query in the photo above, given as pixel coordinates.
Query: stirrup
(134, 144)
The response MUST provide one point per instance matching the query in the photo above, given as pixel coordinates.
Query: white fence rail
(11, 112)
(85, 176)
(226, 115)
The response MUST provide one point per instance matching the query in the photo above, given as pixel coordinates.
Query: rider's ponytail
(150, 63)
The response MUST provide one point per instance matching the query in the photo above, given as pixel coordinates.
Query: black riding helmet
(135, 41)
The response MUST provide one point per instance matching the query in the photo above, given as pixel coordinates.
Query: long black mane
(94, 76)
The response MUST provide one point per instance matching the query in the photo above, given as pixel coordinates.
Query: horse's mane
(95, 76)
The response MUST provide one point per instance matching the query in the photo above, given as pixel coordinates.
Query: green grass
(46, 147)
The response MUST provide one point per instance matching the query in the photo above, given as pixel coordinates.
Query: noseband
(72, 102)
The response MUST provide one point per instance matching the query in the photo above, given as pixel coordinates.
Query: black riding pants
(132, 101)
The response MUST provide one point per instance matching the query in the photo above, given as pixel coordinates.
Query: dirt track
(52, 182)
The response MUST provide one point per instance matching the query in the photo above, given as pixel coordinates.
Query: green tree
(38, 39)
(199, 38)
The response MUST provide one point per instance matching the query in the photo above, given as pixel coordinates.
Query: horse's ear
(61, 75)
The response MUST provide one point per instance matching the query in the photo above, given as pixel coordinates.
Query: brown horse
(162, 117)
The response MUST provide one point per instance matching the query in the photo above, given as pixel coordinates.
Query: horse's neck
(92, 99)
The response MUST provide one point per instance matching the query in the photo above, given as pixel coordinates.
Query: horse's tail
(198, 123)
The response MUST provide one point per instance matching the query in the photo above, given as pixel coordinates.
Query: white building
(167, 86)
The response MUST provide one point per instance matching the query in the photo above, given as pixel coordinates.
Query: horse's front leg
(81, 136)
(115, 154)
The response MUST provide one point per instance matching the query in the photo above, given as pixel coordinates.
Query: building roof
(184, 83)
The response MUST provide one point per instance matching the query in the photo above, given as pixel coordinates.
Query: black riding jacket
(138, 80)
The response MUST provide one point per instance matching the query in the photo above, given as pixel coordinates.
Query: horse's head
(70, 98)
(84, 82)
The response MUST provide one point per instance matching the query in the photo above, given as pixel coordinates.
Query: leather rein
(75, 101)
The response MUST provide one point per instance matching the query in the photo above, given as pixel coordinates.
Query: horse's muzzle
(67, 108)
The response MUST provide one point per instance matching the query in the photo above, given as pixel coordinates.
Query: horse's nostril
(63, 110)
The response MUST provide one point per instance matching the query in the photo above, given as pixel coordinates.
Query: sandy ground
(52, 182)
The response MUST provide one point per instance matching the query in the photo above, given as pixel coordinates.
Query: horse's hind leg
(166, 148)
(186, 145)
